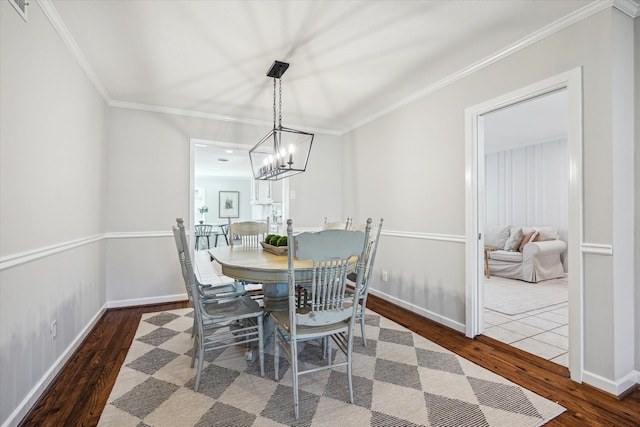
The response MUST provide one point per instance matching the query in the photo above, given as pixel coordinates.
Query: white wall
(213, 185)
(52, 188)
(148, 188)
(408, 166)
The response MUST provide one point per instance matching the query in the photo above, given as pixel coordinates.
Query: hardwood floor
(80, 392)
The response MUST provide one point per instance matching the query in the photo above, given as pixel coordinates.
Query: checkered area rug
(400, 379)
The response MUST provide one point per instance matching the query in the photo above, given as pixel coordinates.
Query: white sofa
(525, 253)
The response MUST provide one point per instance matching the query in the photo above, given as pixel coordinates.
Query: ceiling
(350, 61)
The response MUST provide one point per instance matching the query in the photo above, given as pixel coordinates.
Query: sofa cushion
(547, 233)
(513, 242)
(496, 235)
(529, 237)
(502, 255)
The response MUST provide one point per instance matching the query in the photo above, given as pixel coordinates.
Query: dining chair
(223, 230)
(369, 261)
(249, 234)
(328, 316)
(206, 291)
(337, 225)
(219, 322)
(203, 231)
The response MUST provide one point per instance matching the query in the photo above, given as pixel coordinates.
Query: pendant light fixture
(283, 152)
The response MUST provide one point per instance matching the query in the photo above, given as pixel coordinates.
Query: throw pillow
(513, 242)
(496, 235)
(548, 233)
(526, 239)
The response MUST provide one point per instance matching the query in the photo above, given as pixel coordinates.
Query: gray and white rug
(400, 379)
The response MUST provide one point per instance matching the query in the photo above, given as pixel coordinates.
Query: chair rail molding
(451, 238)
(596, 249)
(34, 254)
(12, 260)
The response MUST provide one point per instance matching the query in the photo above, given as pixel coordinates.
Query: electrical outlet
(292, 195)
(53, 328)
(385, 276)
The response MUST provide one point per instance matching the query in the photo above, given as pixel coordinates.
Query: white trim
(534, 37)
(419, 310)
(213, 116)
(36, 392)
(138, 234)
(451, 238)
(52, 15)
(596, 249)
(572, 81)
(28, 256)
(32, 255)
(628, 7)
(613, 387)
(146, 301)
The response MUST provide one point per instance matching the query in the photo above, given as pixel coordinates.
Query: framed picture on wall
(229, 204)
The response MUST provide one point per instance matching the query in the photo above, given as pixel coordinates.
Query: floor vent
(21, 7)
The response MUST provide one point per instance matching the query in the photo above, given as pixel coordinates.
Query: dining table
(256, 265)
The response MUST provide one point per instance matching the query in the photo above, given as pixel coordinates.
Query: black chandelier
(283, 152)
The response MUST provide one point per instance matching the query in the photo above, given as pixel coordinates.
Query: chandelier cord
(274, 103)
(280, 106)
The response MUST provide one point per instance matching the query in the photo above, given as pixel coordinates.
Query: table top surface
(255, 258)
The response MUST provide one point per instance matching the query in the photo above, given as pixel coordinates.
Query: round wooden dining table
(255, 265)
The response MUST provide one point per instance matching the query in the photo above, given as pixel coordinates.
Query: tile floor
(542, 332)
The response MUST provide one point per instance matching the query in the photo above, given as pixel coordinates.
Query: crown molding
(52, 15)
(628, 7)
(212, 116)
(534, 37)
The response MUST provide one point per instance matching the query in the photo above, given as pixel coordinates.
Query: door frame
(474, 207)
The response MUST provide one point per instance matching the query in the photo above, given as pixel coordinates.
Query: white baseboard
(421, 311)
(146, 301)
(615, 388)
(36, 392)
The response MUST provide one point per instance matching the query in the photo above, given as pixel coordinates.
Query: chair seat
(281, 318)
(236, 307)
(222, 290)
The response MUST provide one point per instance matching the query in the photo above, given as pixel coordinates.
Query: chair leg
(261, 343)
(208, 245)
(195, 351)
(276, 354)
(364, 337)
(200, 365)
(294, 369)
(349, 376)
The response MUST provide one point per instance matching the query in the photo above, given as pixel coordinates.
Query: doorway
(476, 210)
(225, 167)
(526, 187)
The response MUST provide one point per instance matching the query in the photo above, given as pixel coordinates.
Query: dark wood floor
(80, 392)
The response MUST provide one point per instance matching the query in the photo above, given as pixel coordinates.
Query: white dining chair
(337, 225)
(249, 234)
(327, 316)
(219, 322)
(370, 258)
